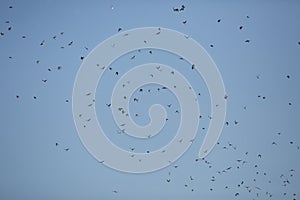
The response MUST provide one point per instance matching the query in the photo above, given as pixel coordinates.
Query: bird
(182, 8)
(247, 40)
(119, 29)
(70, 43)
(175, 9)
(184, 22)
(67, 149)
(241, 27)
(259, 155)
(132, 148)
(44, 80)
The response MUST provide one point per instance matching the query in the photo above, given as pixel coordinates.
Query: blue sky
(34, 167)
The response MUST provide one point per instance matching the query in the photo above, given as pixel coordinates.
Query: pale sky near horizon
(256, 158)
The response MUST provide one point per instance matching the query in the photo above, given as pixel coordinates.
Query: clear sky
(41, 45)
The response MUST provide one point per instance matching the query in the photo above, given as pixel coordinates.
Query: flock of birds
(243, 185)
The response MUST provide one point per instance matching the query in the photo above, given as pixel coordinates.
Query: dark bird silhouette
(119, 29)
(259, 155)
(247, 41)
(184, 22)
(182, 8)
